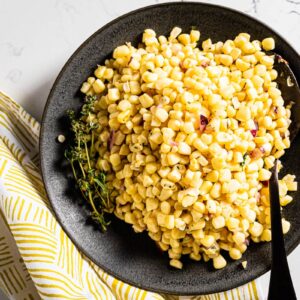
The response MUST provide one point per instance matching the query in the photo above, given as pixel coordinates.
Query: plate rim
(43, 133)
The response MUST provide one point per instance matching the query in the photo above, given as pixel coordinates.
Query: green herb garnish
(83, 157)
(244, 159)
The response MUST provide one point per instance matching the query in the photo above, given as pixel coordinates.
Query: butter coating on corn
(188, 136)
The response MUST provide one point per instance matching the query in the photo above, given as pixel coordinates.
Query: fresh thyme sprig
(82, 158)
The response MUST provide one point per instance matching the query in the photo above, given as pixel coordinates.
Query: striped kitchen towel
(37, 259)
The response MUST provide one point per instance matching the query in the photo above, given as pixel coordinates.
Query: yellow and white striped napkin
(37, 259)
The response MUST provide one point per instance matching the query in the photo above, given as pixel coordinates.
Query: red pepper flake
(247, 242)
(262, 149)
(254, 131)
(203, 123)
(111, 140)
(275, 109)
(173, 143)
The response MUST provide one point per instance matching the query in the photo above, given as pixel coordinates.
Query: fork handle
(281, 285)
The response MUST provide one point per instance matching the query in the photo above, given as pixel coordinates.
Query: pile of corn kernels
(187, 136)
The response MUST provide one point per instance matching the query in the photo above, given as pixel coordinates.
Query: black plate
(132, 257)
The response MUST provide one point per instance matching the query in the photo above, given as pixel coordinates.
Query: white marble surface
(37, 37)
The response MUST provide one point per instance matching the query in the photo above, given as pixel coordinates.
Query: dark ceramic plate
(132, 257)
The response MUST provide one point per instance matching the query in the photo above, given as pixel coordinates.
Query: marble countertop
(37, 38)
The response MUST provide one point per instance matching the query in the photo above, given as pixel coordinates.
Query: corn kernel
(243, 114)
(219, 262)
(235, 253)
(218, 222)
(232, 223)
(161, 114)
(256, 229)
(113, 94)
(207, 241)
(115, 159)
(121, 51)
(146, 100)
(98, 86)
(213, 176)
(267, 61)
(173, 159)
(224, 175)
(268, 44)
(176, 263)
(264, 175)
(218, 163)
(286, 225)
(266, 235)
(184, 148)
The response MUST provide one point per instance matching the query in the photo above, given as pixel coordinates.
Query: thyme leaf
(244, 159)
(82, 158)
